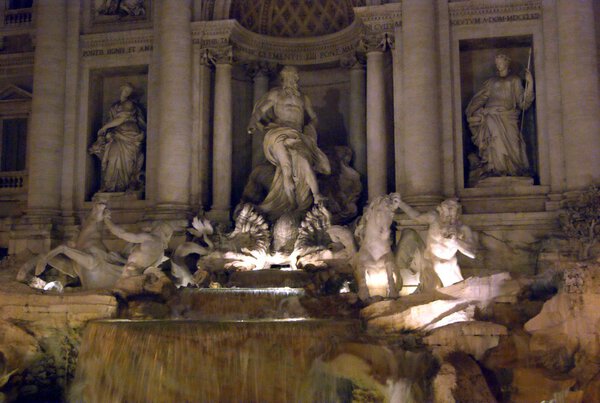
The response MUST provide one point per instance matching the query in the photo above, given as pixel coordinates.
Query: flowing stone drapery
(175, 115)
(422, 126)
(222, 136)
(579, 89)
(45, 135)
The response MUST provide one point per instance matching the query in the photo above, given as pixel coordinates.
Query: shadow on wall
(331, 129)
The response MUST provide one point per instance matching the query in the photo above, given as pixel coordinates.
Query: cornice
(120, 38)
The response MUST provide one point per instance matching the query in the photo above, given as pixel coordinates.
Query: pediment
(14, 93)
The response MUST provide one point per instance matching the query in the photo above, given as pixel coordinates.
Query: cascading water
(236, 303)
(211, 361)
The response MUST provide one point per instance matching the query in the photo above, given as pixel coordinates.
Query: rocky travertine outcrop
(40, 335)
(456, 303)
(566, 333)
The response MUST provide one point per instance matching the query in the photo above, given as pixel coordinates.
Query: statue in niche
(134, 8)
(119, 145)
(435, 260)
(290, 144)
(493, 115)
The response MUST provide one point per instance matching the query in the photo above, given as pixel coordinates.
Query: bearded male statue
(290, 144)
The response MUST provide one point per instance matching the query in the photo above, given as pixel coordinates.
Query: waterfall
(235, 303)
(209, 361)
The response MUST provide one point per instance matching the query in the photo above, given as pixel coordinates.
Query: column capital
(256, 68)
(214, 56)
(353, 61)
(376, 42)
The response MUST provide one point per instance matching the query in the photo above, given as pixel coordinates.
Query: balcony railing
(17, 18)
(13, 181)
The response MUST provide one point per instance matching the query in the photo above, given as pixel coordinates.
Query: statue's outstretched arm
(525, 96)
(124, 235)
(423, 218)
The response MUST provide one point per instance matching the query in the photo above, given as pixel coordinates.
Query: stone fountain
(300, 301)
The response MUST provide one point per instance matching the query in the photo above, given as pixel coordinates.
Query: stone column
(579, 89)
(175, 120)
(422, 126)
(204, 130)
(357, 119)
(45, 135)
(260, 73)
(376, 135)
(222, 136)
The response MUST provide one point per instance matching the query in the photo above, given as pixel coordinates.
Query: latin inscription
(496, 18)
(123, 50)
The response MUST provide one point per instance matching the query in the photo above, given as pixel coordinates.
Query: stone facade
(389, 80)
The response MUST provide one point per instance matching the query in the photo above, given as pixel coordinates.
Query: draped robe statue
(493, 115)
(119, 145)
(290, 144)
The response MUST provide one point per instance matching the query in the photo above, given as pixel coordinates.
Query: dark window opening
(14, 143)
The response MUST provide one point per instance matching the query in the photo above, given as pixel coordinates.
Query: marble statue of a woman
(493, 115)
(119, 145)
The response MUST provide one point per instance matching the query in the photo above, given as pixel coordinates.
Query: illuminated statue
(119, 145)
(290, 144)
(373, 264)
(493, 115)
(87, 258)
(149, 249)
(445, 237)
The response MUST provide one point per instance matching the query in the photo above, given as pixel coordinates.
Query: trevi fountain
(300, 201)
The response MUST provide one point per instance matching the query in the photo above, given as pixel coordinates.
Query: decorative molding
(256, 67)
(220, 55)
(488, 12)
(293, 18)
(16, 64)
(12, 93)
(383, 18)
(376, 42)
(118, 16)
(249, 46)
(353, 61)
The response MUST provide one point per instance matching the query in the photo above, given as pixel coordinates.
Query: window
(18, 4)
(13, 143)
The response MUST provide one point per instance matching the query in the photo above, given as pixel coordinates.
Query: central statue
(289, 122)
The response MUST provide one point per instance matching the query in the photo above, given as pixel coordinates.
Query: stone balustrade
(13, 180)
(19, 17)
